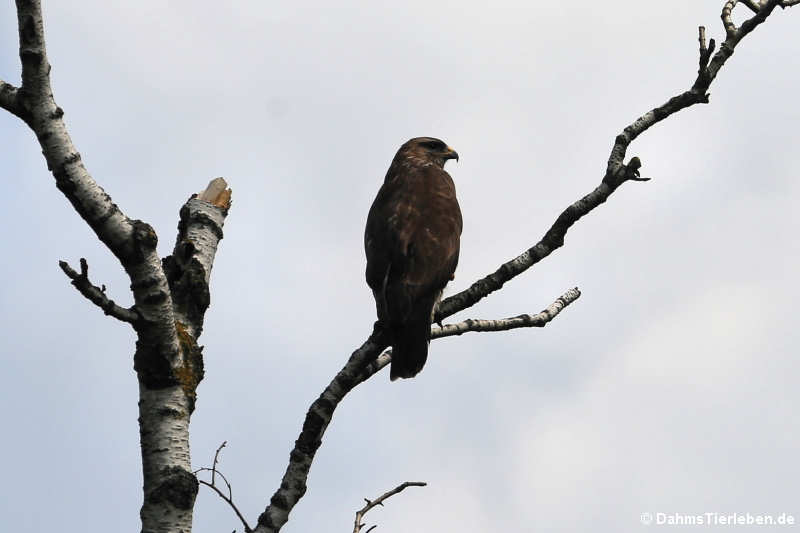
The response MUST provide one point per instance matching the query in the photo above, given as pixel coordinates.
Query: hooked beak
(450, 154)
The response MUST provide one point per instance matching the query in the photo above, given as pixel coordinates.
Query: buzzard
(412, 242)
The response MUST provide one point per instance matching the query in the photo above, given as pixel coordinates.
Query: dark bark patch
(145, 283)
(145, 240)
(308, 443)
(189, 217)
(152, 366)
(178, 488)
(155, 298)
(27, 31)
(171, 413)
(279, 501)
(104, 217)
(326, 406)
(63, 182)
(266, 520)
(187, 282)
(31, 57)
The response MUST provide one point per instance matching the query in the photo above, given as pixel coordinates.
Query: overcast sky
(670, 386)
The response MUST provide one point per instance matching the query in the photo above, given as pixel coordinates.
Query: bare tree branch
(170, 301)
(727, 18)
(552, 240)
(616, 172)
(188, 269)
(8, 98)
(379, 501)
(522, 321)
(214, 467)
(213, 486)
(132, 241)
(44, 117)
(293, 483)
(97, 295)
(362, 365)
(538, 320)
(166, 357)
(753, 5)
(705, 51)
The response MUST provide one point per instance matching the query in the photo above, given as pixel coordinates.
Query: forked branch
(168, 311)
(538, 320)
(379, 501)
(213, 486)
(617, 172)
(97, 295)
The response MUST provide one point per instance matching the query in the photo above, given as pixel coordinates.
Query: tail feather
(410, 348)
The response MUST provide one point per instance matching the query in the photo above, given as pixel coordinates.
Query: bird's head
(429, 150)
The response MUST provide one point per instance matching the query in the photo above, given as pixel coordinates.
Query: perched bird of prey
(412, 243)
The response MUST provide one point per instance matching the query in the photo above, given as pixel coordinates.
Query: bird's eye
(434, 145)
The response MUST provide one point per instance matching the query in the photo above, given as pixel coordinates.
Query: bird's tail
(410, 344)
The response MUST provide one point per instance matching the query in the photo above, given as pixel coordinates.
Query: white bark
(169, 485)
(171, 299)
(168, 360)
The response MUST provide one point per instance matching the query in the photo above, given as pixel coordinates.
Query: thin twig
(216, 460)
(97, 295)
(379, 501)
(227, 500)
(220, 474)
(213, 486)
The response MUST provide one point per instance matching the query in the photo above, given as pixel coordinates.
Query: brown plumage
(412, 243)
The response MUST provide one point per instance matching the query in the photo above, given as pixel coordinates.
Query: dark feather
(412, 245)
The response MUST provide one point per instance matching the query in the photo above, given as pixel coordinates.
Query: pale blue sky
(670, 386)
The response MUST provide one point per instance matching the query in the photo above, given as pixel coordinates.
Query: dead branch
(616, 172)
(538, 320)
(522, 321)
(213, 486)
(8, 99)
(293, 483)
(379, 501)
(97, 295)
(169, 306)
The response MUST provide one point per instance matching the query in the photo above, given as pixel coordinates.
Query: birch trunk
(170, 297)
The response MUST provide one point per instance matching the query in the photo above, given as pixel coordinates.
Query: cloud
(668, 386)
